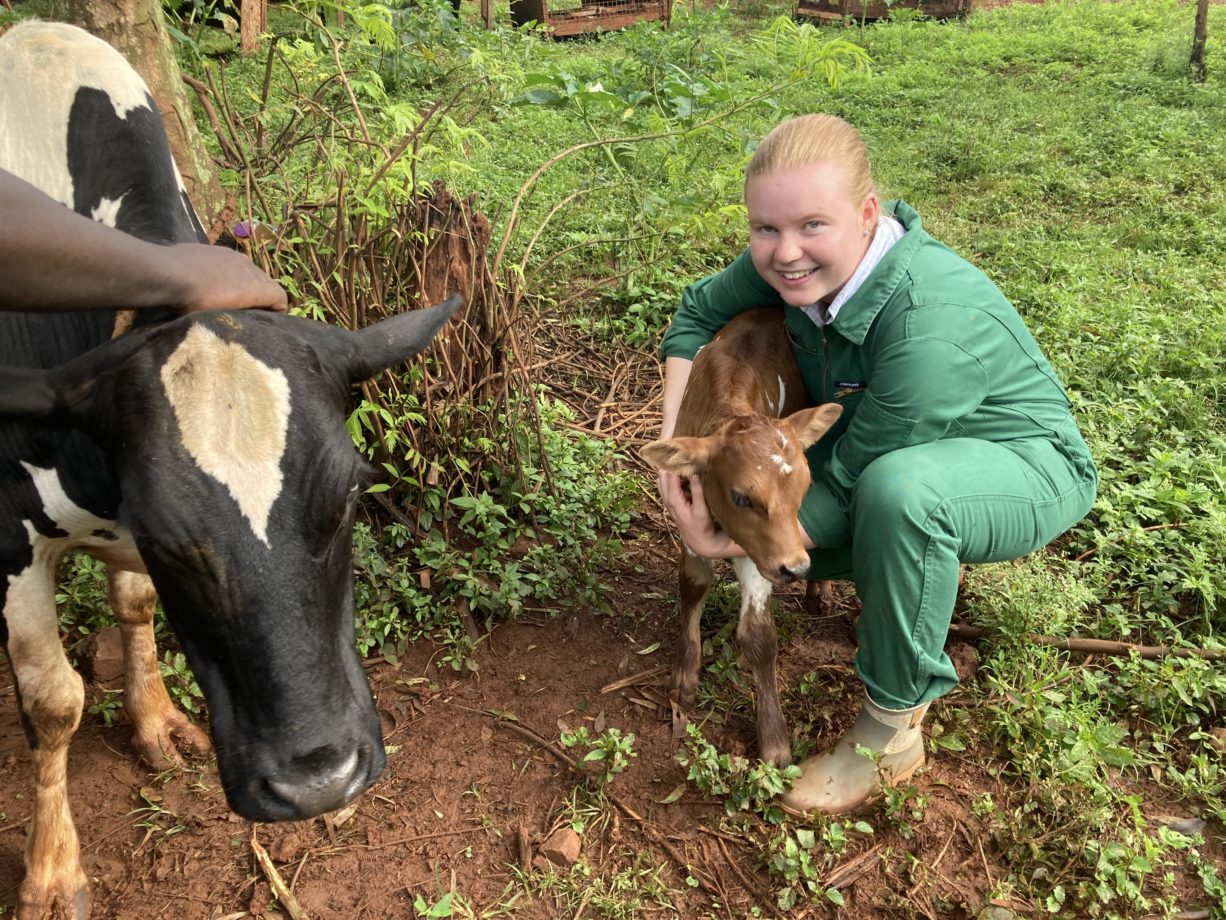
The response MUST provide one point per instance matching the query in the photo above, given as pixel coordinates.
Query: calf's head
(238, 482)
(754, 476)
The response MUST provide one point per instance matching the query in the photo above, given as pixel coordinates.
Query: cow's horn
(395, 340)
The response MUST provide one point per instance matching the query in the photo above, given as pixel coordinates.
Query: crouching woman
(957, 442)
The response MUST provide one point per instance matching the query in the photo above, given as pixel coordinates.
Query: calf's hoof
(777, 753)
(683, 692)
(53, 902)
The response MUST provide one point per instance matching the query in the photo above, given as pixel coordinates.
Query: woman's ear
(870, 212)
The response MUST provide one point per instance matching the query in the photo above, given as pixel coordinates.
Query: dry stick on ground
(1095, 646)
(745, 881)
(636, 678)
(279, 888)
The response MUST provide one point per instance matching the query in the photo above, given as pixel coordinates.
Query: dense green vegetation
(1064, 148)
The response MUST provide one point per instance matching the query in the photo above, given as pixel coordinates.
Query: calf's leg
(695, 577)
(51, 694)
(759, 644)
(156, 720)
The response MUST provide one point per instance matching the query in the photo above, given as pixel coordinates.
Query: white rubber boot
(841, 779)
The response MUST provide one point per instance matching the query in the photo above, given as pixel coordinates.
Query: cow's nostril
(310, 786)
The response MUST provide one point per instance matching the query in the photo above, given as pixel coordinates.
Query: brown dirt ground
(462, 786)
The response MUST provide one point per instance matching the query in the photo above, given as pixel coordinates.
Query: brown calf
(742, 428)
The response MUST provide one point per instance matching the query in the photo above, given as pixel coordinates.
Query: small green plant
(904, 808)
(608, 753)
(795, 865)
(181, 682)
(81, 596)
(108, 705)
(157, 820)
(745, 787)
(531, 536)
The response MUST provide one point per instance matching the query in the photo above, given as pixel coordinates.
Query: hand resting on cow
(52, 258)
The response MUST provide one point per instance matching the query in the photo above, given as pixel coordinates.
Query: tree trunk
(1199, 34)
(137, 30)
(254, 16)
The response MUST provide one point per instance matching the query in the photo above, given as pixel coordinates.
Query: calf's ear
(811, 424)
(396, 339)
(683, 456)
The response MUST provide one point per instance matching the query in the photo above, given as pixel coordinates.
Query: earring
(865, 233)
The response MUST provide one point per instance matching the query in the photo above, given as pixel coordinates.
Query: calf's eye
(741, 500)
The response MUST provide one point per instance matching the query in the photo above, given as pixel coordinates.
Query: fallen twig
(279, 888)
(843, 875)
(1095, 646)
(636, 678)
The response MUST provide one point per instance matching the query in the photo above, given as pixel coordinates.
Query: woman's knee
(894, 488)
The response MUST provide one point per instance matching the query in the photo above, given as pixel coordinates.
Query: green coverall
(956, 444)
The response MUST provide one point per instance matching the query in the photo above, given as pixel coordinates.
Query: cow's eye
(741, 500)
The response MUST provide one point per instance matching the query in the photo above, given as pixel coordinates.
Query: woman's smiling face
(806, 235)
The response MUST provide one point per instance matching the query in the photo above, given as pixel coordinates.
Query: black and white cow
(209, 451)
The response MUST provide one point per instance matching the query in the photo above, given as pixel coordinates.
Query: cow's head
(754, 476)
(238, 482)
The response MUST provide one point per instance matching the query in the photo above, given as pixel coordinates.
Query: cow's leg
(759, 644)
(694, 577)
(51, 695)
(156, 720)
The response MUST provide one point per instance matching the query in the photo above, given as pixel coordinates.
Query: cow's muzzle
(311, 784)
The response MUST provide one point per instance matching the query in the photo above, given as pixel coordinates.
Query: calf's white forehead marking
(784, 467)
(233, 415)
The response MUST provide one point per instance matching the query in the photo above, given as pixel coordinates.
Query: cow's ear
(393, 341)
(811, 424)
(60, 395)
(27, 393)
(683, 456)
(70, 393)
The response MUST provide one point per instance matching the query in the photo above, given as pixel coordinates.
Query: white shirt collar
(889, 231)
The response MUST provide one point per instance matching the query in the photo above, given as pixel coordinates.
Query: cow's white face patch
(233, 414)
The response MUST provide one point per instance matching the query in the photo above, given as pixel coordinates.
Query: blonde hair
(809, 139)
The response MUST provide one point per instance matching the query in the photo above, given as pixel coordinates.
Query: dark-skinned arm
(54, 259)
